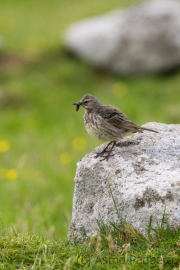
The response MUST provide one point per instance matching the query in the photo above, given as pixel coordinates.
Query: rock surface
(144, 176)
(143, 39)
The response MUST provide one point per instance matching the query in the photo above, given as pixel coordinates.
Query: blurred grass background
(41, 135)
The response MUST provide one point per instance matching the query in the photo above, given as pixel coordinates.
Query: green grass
(114, 248)
(31, 26)
(39, 82)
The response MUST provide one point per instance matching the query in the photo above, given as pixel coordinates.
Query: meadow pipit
(106, 123)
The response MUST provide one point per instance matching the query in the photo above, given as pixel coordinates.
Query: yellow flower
(11, 175)
(4, 146)
(65, 158)
(119, 89)
(79, 143)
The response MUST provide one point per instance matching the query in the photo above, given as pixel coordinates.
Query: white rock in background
(143, 39)
(144, 176)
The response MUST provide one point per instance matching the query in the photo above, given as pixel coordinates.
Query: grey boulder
(141, 40)
(141, 180)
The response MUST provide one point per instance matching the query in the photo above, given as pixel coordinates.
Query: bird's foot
(106, 157)
(106, 153)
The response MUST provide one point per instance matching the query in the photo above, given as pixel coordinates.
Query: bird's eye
(86, 101)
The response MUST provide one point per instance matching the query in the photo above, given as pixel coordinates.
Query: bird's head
(89, 103)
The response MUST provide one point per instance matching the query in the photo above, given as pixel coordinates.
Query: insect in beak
(78, 104)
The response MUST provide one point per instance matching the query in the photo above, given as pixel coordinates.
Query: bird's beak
(78, 104)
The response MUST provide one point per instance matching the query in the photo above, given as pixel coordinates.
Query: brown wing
(117, 119)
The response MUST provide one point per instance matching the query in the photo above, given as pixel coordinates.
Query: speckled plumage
(105, 122)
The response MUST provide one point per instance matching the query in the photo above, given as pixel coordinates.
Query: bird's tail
(143, 128)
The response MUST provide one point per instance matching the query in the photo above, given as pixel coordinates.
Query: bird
(106, 123)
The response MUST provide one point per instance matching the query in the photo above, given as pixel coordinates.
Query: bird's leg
(106, 153)
(104, 150)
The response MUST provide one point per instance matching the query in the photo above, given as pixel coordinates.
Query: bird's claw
(105, 153)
